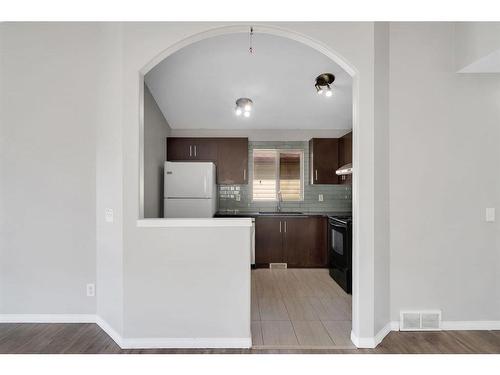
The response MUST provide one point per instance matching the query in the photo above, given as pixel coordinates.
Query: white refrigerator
(189, 190)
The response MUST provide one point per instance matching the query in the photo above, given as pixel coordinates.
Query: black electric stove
(340, 250)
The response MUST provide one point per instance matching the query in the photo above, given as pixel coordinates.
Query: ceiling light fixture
(323, 82)
(243, 106)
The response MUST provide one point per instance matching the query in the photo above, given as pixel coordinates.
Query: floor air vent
(420, 320)
(277, 266)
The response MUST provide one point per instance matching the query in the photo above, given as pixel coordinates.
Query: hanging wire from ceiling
(250, 37)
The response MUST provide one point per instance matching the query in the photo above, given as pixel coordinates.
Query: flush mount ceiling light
(243, 107)
(323, 82)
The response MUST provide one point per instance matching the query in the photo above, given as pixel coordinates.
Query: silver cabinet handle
(195, 150)
(316, 174)
(285, 226)
(280, 226)
(244, 174)
(190, 150)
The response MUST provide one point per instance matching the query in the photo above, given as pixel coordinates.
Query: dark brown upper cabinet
(191, 149)
(297, 241)
(324, 160)
(232, 161)
(345, 156)
(229, 154)
(179, 149)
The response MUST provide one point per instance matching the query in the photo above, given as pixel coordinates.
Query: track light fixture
(323, 82)
(243, 107)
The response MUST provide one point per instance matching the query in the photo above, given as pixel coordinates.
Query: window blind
(264, 174)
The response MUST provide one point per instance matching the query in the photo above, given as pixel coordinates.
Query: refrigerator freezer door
(189, 180)
(193, 208)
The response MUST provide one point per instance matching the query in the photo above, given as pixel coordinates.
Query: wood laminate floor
(292, 312)
(88, 338)
(299, 309)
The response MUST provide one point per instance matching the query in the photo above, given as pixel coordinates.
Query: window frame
(278, 152)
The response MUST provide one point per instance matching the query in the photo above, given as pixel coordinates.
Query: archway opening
(159, 83)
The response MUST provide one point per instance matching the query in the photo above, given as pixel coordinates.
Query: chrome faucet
(280, 199)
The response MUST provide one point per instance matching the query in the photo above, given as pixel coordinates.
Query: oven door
(338, 244)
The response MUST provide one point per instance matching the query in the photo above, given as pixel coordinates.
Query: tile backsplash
(239, 197)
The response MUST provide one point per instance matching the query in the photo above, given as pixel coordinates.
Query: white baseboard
(372, 342)
(471, 325)
(110, 331)
(130, 343)
(183, 343)
(47, 318)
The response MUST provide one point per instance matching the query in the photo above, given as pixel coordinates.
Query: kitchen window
(278, 172)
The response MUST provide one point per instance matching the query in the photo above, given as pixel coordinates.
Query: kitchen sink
(287, 213)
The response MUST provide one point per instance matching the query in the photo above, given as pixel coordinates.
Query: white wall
(156, 130)
(109, 179)
(444, 132)
(189, 283)
(382, 237)
(477, 46)
(48, 117)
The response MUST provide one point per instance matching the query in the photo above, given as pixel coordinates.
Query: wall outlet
(108, 215)
(90, 290)
(320, 197)
(490, 215)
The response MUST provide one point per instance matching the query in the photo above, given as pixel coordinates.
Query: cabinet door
(179, 149)
(296, 241)
(324, 160)
(345, 156)
(305, 242)
(347, 148)
(268, 240)
(204, 149)
(318, 246)
(232, 161)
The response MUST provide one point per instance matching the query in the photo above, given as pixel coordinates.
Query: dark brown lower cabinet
(268, 240)
(297, 241)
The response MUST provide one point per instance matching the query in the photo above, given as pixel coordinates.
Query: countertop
(241, 213)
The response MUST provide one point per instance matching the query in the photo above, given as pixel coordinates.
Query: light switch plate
(320, 197)
(108, 215)
(490, 214)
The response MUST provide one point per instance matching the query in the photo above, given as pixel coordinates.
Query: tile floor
(299, 308)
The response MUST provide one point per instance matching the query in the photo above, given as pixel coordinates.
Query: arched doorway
(334, 56)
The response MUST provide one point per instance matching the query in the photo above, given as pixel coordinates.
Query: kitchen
(291, 179)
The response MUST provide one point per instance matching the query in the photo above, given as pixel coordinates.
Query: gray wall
(335, 197)
(443, 154)
(50, 107)
(382, 229)
(444, 133)
(156, 129)
(109, 191)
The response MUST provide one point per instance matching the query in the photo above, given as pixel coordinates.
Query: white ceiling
(196, 87)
